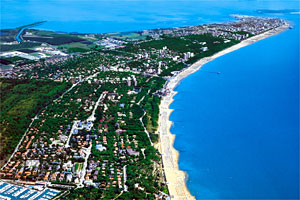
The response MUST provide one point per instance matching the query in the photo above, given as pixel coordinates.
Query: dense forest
(21, 100)
(127, 120)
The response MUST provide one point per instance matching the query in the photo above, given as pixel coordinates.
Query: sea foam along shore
(175, 177)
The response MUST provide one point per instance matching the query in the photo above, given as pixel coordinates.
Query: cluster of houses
(67, 155)
(110, 43)
(79, 140)
(238, 30)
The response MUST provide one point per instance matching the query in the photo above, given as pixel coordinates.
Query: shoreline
(175, 177)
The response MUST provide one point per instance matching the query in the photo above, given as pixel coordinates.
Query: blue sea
(237, 132)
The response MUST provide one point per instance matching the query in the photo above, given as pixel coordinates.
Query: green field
(23, 45)
(76, 47)
(126, 35)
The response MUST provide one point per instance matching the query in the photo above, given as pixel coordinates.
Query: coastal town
(106, 135)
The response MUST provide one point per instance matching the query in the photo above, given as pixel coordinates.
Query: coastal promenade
(175, 177)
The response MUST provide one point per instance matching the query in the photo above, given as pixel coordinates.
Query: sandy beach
(175, 177)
